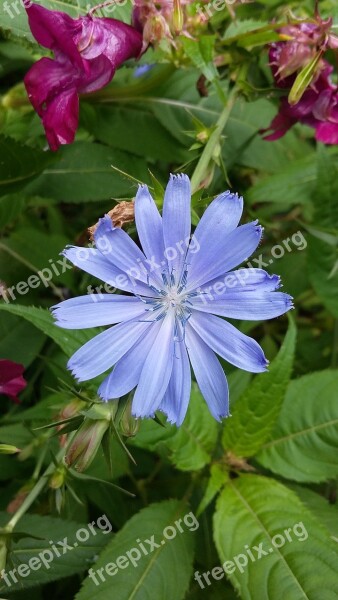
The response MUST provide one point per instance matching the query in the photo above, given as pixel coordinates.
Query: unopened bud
(155, 29)
(86, 443)
(178, 17)
(72, 409)
(7, 449)
(129, 425)
(58, 478)
(203, 136)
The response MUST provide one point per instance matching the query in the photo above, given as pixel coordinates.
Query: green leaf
(323, 271)
(188, 447)
(128, 128)
(19, 340)
(323, 255)
(239, 28)
(218, 478)
(245, 146)
(84, 173)
(162, 572)
(37, 251)
(200, 53)
(191, 447)
(256, 411)
(303, 446)
(68, 340)
(323, 510)
(19, 165)
(254, 512)
(292, 184)
(10, 208)
(75, 559)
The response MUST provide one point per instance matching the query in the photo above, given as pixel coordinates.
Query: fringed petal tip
(179, 177)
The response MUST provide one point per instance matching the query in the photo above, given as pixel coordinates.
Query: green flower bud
(129, 425)
(86, 443)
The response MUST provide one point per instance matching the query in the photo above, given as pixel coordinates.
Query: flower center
(171, 296)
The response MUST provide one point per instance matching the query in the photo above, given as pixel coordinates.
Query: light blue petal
(93, 262)
(156, 371)
(209, 374)
(232, 345)
(119, 249)
(150, 229)
(223, 253)
(127, 370)
(94, 310)
(220, 218)
(177, 222)
(246, 279)
(105, 349)
(176, 398)
(250, 306)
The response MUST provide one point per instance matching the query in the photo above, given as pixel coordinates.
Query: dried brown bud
(120, 215)
(238, 463)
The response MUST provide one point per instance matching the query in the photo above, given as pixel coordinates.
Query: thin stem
(206, 156)
(30, 266)
(33, 494)
(335, 344)
(102, 5)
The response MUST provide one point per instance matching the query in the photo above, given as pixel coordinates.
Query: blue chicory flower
(181, 286)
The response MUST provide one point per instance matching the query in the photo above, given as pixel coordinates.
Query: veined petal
(224, 253)
(56, 77)
(251, 306)
(220, 218)
(176, 398)
(127, 370)
(106, 348)
(156, 371)
(177, 222)
(98, 72)
(92, 261)
(55, 30)
(227, 341)
(209, 374)
(150, 229)
(247, 280)
(123, 41)
(108, 37)
(119, 249)
(94, 310)
(61, 118)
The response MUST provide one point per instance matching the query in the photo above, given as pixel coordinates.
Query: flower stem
(33, 494)
(206, 156)
(102, 5)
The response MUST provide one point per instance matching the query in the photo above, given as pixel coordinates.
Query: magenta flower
(305, 39)
(87, 52)
(317, 108)
(11, 379)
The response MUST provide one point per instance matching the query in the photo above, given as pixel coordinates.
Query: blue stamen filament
(172, 297)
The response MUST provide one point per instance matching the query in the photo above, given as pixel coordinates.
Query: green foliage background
(274, 463)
